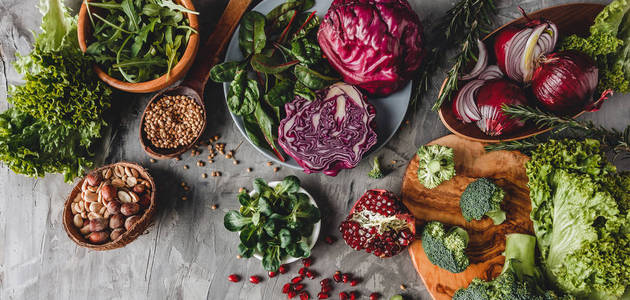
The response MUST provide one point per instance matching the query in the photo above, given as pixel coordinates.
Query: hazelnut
(139, 188)
(108, 192)
(131, 221)
(113, 207)
(116, 221)
(116, 233)
(98, 237)
(85, 229)
(94, 178)
(78, 221)
(129, 209)
(98, 224)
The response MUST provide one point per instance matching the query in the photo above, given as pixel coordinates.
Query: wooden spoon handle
(210, 53)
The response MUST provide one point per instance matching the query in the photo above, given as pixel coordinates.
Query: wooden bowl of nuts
(172, 123)
(110, 207)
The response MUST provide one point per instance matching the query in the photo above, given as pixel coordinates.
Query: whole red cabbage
(375, 44)
(331, 133)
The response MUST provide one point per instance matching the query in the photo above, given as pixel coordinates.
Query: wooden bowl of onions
(110, 207)
(569, 19)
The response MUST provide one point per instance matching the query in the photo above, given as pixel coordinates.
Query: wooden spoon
(194, 84)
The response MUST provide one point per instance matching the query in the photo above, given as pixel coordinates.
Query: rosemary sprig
(462, 25)
(611, 139)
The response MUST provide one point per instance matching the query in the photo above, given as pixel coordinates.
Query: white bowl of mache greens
(291, 191)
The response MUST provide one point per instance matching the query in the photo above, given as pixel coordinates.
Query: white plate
(390, 110)
(312, 240)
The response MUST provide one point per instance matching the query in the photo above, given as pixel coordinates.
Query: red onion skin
(564, 82)
(501, 43)
(490, 97)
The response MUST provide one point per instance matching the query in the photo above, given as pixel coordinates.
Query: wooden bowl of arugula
(139, 46)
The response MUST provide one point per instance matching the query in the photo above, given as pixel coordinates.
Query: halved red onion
(482, 62)
(490, 99)
(464, 105)
(491, 72)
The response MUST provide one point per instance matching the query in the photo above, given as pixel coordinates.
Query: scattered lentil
(184, 198)
(152, 160)
(403, 287)
(200, 163)
(249, 170)
(276, 169)
(185, 167)
(235, 162)
(173, 121)
(213, 207)
(204, 175)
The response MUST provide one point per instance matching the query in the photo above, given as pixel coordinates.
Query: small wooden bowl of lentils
(110, 207)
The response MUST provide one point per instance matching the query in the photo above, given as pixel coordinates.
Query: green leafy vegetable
(251, 37)
(580, 215)
(275, 222)
(436, 165)
(313, 79)
(482, 197)
(225, 72)
(59, 112)
(243, 95)
(138, 40)
(376, 172)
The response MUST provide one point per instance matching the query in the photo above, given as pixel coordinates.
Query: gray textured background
(187, 254)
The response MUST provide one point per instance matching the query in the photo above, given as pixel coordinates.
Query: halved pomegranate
(379, 224)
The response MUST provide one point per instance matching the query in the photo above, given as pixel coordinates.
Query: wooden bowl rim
(151, 150)
(498, 139)
(128, 236)
(177, 72)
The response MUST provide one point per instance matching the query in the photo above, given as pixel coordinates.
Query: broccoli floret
(482, 198)
(520, 279)
(436, 165)
(445, 249)
(376, 172)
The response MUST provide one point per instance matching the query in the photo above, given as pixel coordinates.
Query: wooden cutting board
(487, 241)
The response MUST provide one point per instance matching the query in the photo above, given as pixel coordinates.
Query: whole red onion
(490, 99)
(564, 82)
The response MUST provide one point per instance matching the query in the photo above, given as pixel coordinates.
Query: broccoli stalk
(445, 249)
(482, 198)
(520, 279)
(376, 172)
(436, 165)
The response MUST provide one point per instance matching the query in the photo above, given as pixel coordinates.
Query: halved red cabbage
(375, 44)
(332, 132)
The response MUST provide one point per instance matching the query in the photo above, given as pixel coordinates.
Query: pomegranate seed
(307, 262)
(322, 295)
(286, 288)
(345, 277)
(337, 277)
(272, 274)
(297, 279)
(302, 271)
(234, 278)
(354, 295)
(326, 289)
(282, 269)
(325, 281)
(343, 296)
(374, 296)
(329, 240)
(304, 295)
(298, 287)
(291, 294)
(310, 274)
(255, 279)
(354, 282)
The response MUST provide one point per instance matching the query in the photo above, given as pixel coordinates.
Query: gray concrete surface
(187, 254)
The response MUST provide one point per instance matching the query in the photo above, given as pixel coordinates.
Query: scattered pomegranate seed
(337, 277)
(302, 271)
(255, 279)
(272, 274)
(322, 295)
(234, 278)
(307, 262)
(329, 240)
(325, 281)
(354, 282)
(291, 294)
(282, 269)
(374, 296)
(310, 274)
(343, 296)
(326, 288)
(304, 295)
(346, 277)
(298, 287)
(354, 295)
(297, 279)
(286, 288)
